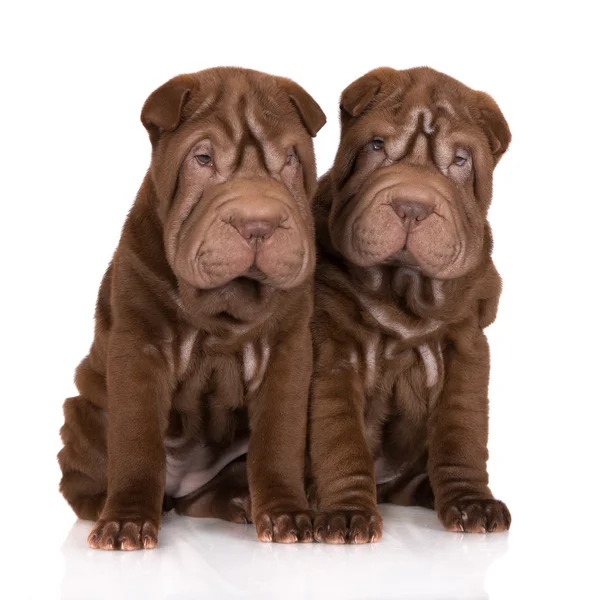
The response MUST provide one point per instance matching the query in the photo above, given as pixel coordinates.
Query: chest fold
(385, 363)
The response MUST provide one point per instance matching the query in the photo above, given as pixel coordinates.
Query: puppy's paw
(123, 534)
(476, 516)
(286, 527)
(349, 527)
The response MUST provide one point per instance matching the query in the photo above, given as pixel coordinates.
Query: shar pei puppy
(194, 394)
(405, 288)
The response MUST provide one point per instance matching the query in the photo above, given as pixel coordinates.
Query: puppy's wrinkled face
(235, 179)
(240, 209)
(414, 172)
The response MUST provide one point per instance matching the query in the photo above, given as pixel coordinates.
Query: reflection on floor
(205, 558)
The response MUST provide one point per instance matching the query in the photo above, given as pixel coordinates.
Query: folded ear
(356, 97)
(162, 110)
(310, 112)
(494, 124)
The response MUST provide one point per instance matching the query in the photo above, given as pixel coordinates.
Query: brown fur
(405, 287)
(202, 323)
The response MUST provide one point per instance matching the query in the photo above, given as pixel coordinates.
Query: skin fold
(405, 287)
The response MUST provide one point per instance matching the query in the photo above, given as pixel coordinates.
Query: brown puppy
(202, 350)
(405, 287)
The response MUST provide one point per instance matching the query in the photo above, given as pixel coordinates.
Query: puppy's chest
(208, 424)
(402, 389)
(386, 362)
(192, 355)
(215, 384)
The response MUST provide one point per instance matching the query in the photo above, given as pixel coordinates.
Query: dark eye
(204, 160)
(377, 144)
(461, 158)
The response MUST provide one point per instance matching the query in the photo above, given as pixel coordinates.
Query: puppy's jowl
(194, 394)
(405, 287)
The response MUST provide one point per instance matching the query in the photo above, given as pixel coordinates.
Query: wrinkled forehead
(236, 111)
(407, 108)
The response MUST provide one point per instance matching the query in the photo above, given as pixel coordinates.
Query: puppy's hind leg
(225, 497)
(83, 458)
(416, 492)
(411, 488)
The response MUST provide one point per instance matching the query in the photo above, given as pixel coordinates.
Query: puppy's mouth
(402, 258)
(248, 289)
(254, 273)
(245, 283)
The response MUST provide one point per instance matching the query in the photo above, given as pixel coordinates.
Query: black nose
(255, 229)
(412, 213)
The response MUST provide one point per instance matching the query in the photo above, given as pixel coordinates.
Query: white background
(73, 153)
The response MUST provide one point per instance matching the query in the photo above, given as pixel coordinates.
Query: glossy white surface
(209, 558)
(206, 558)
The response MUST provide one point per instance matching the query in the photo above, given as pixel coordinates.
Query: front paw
(124, 534)
(349, 527)
(286, 527)
(475, 516)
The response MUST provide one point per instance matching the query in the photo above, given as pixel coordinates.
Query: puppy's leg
(276, 452)
(225, 497)
(417, 492)
(458, 432)
(341, 462)
(412, 488)
(83, 459)
(139, 391)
